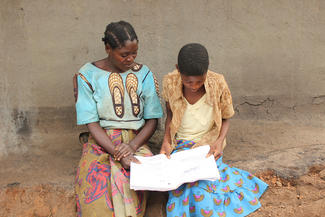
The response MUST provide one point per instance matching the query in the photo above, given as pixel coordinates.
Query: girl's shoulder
(172, 78)
(172, 75)
(215, 76)
(215, 79)
(172, 86)
(216, 85)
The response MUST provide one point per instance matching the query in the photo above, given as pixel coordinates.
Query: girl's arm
(216, 147)
(166, 146)
(101, 137)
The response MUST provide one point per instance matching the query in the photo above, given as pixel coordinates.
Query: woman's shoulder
(142, 71)
(88, 69)
(138, 67)
(91, 71)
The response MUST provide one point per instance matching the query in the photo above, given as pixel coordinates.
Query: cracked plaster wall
(271, 53)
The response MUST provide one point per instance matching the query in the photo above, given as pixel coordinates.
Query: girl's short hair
(193, 59)
(117, 33)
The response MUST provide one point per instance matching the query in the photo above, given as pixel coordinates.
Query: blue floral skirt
(235, 194)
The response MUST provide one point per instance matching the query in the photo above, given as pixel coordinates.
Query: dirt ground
(288, 155)
(296, 197)
(300, 197)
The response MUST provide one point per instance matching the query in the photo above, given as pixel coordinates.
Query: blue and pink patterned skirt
(235, 194)
(102, 185)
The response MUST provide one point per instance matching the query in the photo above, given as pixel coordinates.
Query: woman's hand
(126, 161)
(123, 150)
(216, 150)
(166, 149)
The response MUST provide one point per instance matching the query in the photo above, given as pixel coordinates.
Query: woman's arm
(216, 147)
(124, 150)
(145, 133)
(166, 146)
(101, 137)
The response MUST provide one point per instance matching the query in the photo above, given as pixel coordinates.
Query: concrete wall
(271, 51)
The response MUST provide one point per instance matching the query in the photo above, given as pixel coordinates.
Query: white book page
(162, 174)
(151, 174)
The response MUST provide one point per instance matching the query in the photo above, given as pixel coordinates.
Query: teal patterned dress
(237, 193)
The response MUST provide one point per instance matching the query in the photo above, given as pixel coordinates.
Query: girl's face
(122, 59)
(193, 83)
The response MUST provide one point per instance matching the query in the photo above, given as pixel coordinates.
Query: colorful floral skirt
(235, 194)
(102, 185)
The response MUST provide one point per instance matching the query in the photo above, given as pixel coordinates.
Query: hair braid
(117, 33)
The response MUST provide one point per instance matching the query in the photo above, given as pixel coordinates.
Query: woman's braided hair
(117, 33)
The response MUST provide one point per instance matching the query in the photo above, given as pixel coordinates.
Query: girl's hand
(166, 149)
(126, 161)
(123, 150)
(215, 150)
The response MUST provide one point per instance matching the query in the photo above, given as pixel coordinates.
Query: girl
(199, 105)
(118, 100)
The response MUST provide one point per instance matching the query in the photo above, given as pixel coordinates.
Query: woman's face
(122, 59)
(193, 83)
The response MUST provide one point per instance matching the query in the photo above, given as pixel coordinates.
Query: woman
(119, 102)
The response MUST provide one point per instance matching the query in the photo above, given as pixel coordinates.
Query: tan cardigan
(218, 96)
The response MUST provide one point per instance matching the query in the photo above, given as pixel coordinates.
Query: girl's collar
(208, 87)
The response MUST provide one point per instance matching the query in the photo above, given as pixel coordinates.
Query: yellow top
(197, 120)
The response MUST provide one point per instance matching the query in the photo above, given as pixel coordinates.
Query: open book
(158, 173)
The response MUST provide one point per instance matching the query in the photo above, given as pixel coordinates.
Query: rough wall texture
(271, 51)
